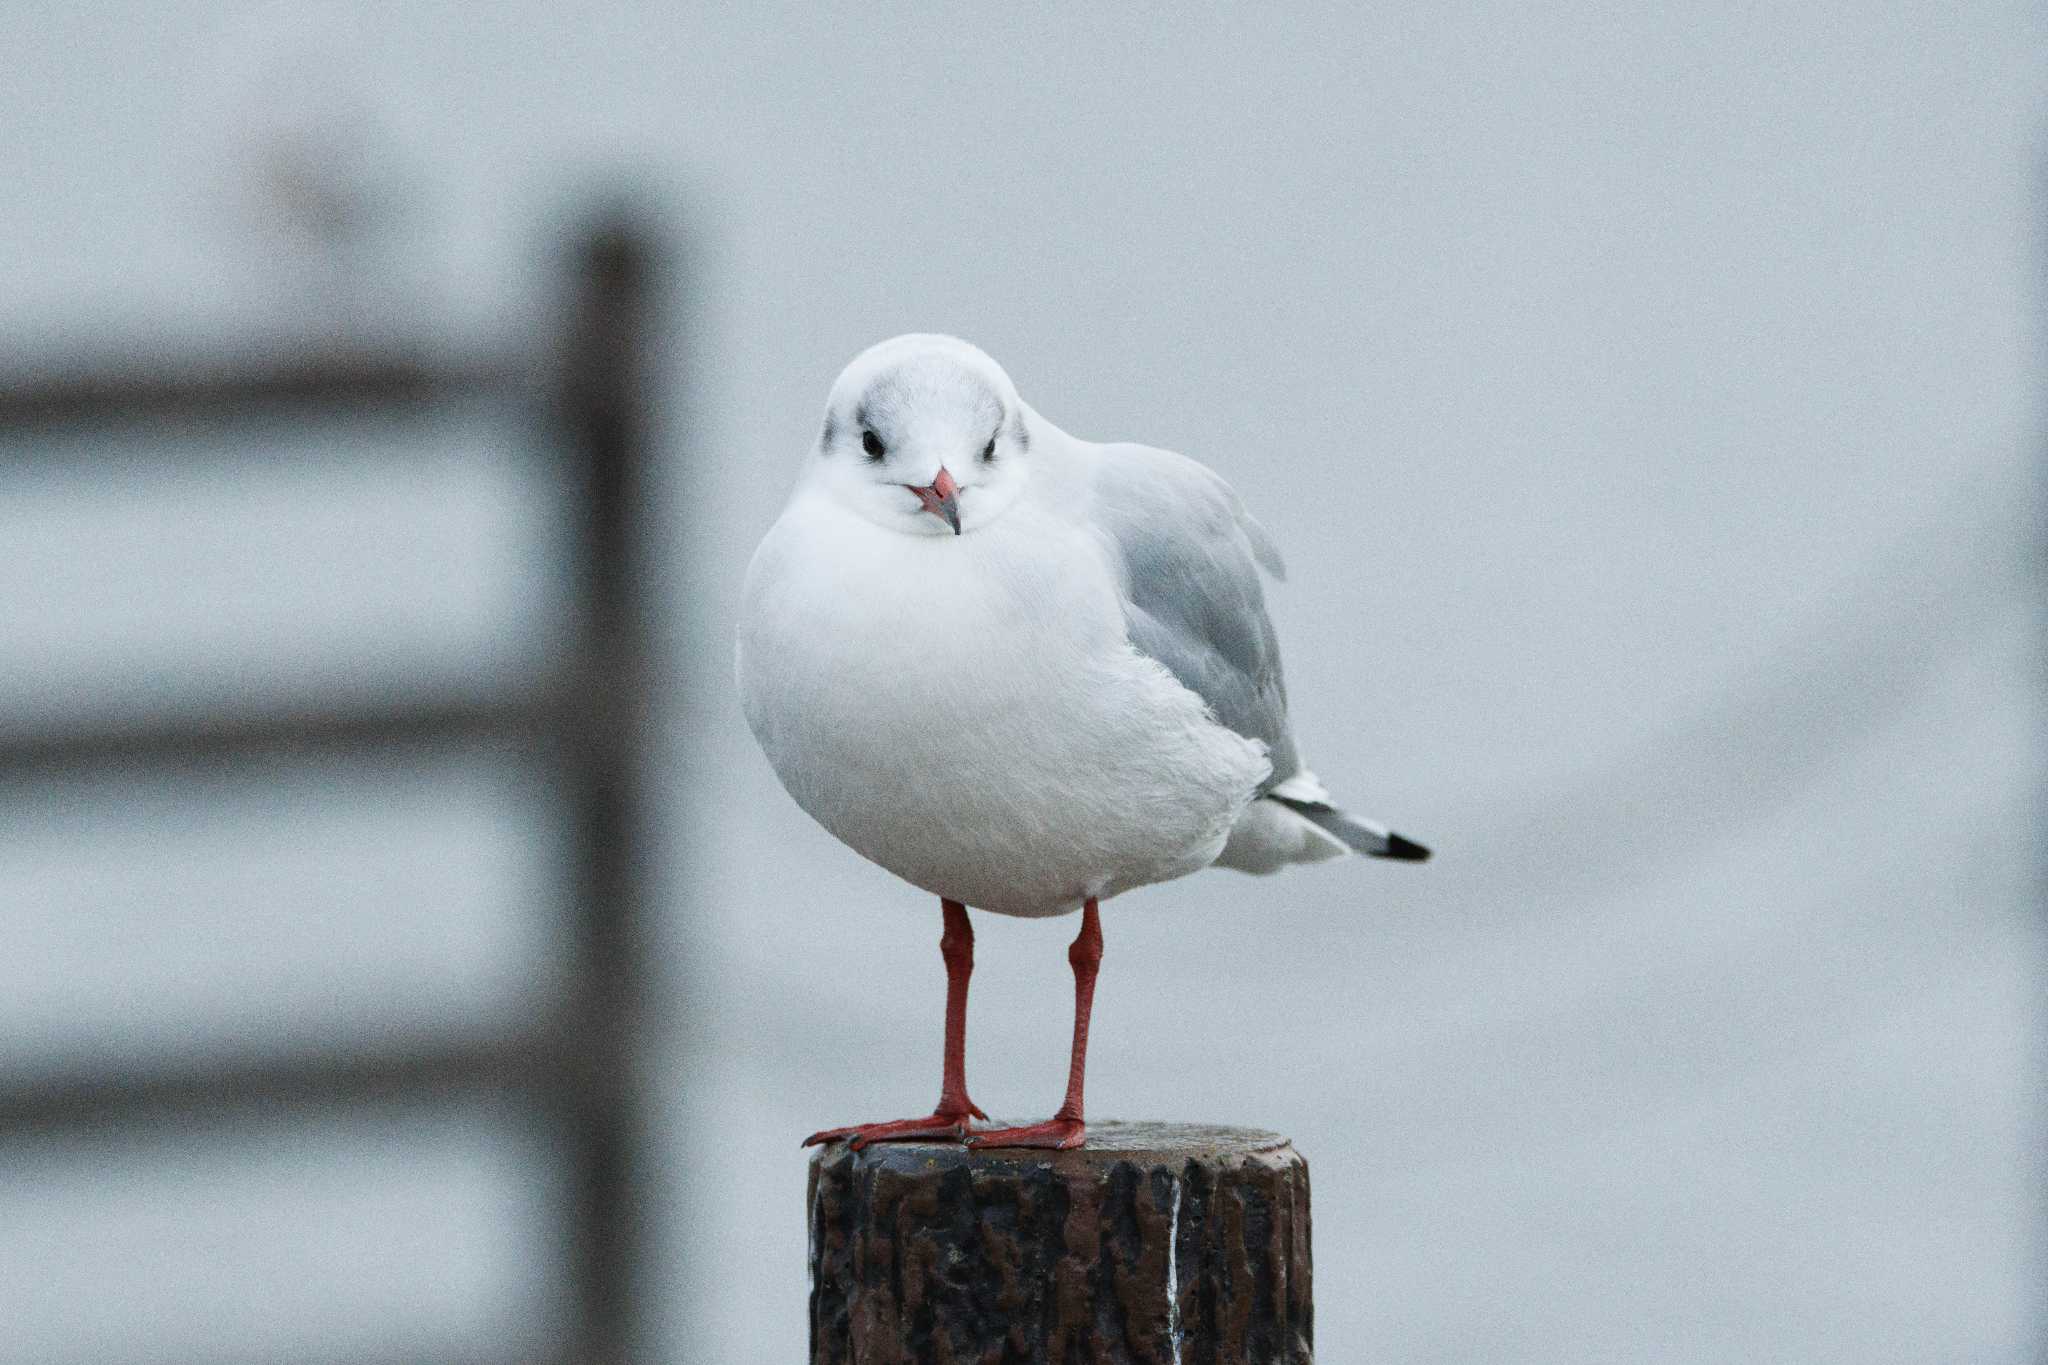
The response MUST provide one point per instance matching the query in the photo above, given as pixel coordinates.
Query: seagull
(1023, 672)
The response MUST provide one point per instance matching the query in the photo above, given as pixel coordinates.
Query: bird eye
(988, 452)
(872, 444)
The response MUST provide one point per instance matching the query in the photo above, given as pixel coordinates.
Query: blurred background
(405, 954)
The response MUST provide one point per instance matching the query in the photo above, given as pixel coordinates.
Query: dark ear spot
(830, 433)
(1019, 434)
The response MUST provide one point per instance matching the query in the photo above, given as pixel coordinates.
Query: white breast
(967, 711)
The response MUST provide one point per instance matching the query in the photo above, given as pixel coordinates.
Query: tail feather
(1363, 836)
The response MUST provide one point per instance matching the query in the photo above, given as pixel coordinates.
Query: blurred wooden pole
(604, 398)
(1156, 1244)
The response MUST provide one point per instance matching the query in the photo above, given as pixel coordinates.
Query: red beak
(942, 499)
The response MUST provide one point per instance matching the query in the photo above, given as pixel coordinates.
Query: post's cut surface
(1156, 1244)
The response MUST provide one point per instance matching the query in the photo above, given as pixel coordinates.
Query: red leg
(956, 945)
(1067, 1128)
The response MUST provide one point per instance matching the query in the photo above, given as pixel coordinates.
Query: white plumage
(1076, 693)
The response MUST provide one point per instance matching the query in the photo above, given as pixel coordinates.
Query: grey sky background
(1647, 406)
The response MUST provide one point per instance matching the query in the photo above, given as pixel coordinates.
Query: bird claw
(1059, 1134)
(859, 1135)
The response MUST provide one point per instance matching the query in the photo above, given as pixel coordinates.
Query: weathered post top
(1156, 1244)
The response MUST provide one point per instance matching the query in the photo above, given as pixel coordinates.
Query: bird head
(923, 434)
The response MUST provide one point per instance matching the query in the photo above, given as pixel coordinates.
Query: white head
(923, 434)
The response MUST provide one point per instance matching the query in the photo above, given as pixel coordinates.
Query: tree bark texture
(1156, 1244)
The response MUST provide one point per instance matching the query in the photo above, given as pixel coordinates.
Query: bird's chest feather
(968, 712)
(896, 659)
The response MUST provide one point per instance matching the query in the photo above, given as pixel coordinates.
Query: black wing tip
(1403, 850)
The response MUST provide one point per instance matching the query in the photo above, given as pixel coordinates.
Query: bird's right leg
(956, 945)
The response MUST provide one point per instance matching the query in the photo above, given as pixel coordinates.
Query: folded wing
(1190, 556)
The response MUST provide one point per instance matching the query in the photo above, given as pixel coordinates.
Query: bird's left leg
(949, 1119)
(1066, 1128)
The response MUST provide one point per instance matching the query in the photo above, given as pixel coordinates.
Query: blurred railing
(583, 720)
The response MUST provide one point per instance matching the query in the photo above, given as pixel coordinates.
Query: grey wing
(1190, 553)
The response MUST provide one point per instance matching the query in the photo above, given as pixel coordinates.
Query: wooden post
(1156, 1244)
(603, 405)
